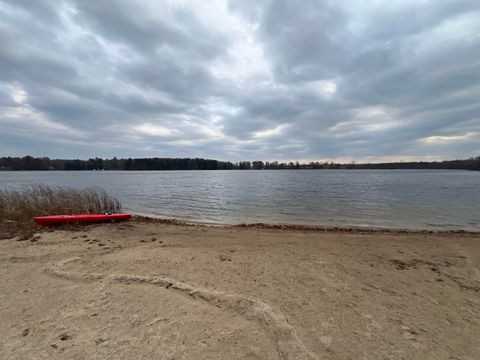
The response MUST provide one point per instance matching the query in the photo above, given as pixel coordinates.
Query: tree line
(45, 163)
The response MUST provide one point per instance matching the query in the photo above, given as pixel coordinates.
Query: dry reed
(19, 206)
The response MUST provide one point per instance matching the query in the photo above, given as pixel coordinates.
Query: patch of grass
(19, 206)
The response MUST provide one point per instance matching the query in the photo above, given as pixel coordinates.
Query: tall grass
(19, 206)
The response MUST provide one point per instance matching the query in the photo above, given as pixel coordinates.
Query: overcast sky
(241, 80)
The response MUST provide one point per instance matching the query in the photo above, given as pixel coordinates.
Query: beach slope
(162, 291)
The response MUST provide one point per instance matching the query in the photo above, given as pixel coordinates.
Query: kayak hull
(81, 218)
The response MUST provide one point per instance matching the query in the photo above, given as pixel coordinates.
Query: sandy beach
(142, 290)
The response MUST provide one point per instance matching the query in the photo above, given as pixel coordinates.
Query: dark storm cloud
(240, 80)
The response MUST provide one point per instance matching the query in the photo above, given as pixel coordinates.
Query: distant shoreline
(158, 163)
(254, 170)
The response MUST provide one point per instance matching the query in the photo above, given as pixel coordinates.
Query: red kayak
(74, 219)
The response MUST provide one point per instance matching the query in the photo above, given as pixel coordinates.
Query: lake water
(410, 199)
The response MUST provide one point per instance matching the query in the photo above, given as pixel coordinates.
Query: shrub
(19, 206)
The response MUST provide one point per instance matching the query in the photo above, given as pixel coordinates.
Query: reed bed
(19, 206)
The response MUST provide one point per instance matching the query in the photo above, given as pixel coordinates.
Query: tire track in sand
(287, 342)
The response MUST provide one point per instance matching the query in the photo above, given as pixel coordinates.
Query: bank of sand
(159, 291)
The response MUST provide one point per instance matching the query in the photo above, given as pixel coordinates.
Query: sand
(159, 291)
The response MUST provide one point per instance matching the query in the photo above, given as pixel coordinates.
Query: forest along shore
(163, 290)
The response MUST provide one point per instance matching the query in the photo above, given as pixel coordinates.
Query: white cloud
(27, 119)
(451, 138)
(270, 132)
(366, 119)
(323, 87)
(153, 130)
(18, 94)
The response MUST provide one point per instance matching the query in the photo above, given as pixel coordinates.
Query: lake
(408, 199)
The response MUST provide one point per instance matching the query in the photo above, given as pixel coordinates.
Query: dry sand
(159, 291)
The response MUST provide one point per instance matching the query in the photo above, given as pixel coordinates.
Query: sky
(307, 80)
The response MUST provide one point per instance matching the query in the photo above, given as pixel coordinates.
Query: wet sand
(168, 291)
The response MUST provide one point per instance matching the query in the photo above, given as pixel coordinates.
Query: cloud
(270, 132)
(154, 130)
(451, 138)
(240, 80)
